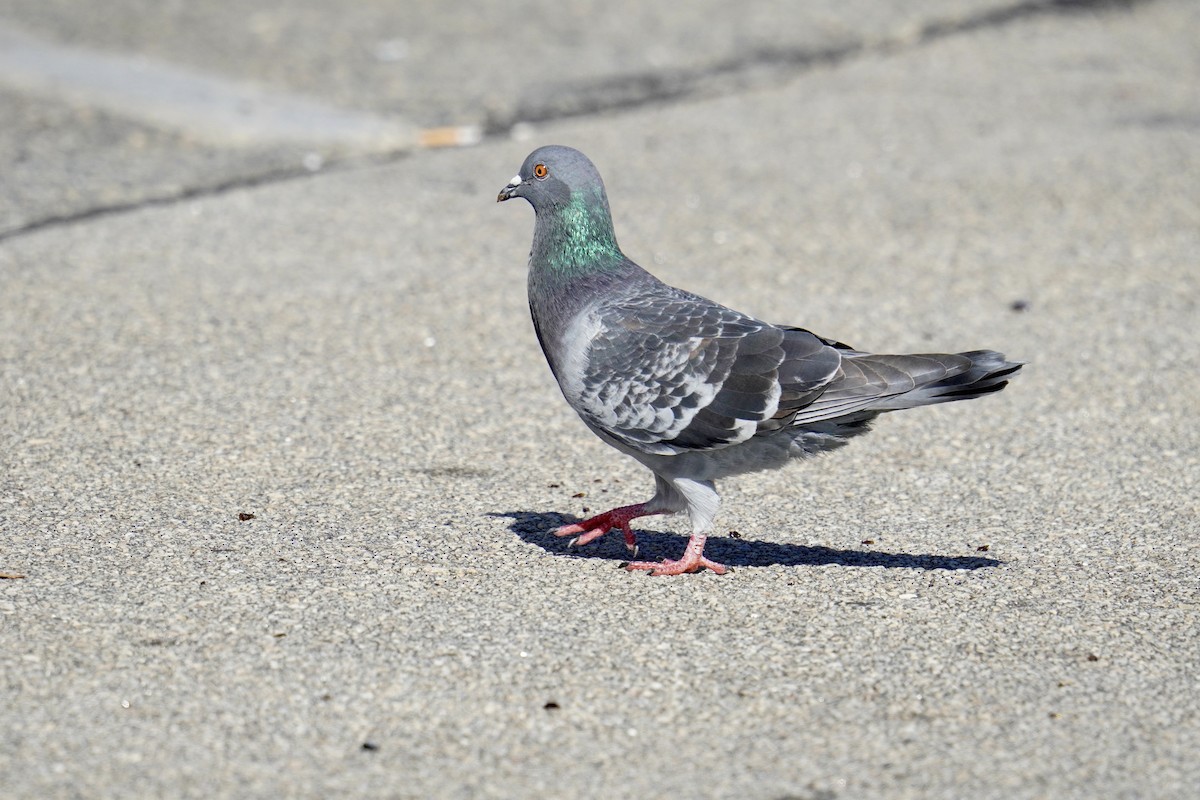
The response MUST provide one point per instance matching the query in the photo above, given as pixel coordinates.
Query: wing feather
(683, 373)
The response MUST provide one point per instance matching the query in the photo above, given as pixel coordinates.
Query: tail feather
(968, 375)
(869, 384)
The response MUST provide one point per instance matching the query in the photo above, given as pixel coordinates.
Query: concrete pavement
(279, 459)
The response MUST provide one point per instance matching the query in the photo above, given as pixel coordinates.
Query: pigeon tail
(971, 374)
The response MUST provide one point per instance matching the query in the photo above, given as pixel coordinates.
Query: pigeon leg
(693, 560)
(591, 529)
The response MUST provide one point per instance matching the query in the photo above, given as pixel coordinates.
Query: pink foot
(591, 529)
(693, 560)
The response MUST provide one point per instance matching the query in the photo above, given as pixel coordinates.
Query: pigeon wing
(676, 373)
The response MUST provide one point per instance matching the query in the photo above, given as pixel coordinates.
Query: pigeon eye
(540, 171)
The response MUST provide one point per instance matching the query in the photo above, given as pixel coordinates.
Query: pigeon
(694, 390)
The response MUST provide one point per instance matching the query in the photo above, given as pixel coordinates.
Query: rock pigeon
(693, 390)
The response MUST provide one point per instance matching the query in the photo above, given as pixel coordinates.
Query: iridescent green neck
(579, 238)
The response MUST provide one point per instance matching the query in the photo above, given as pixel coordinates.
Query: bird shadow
(538, 528)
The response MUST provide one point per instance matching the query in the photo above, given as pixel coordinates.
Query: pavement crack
(276, 176)
(762, 68)
(614, 94)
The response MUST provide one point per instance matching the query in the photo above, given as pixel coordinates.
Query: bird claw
(677, 567)
(692, 560)
(584, 537)
(589, 530)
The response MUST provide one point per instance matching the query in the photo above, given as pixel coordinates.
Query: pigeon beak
(509, 191)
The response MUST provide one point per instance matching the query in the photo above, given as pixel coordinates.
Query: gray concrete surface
(486, 63)
(433, 64)
(63, 162)
(347, 357)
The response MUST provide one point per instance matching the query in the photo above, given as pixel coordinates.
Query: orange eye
(540, 171)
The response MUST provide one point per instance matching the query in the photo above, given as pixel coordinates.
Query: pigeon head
(551, 176)
(574, 231)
